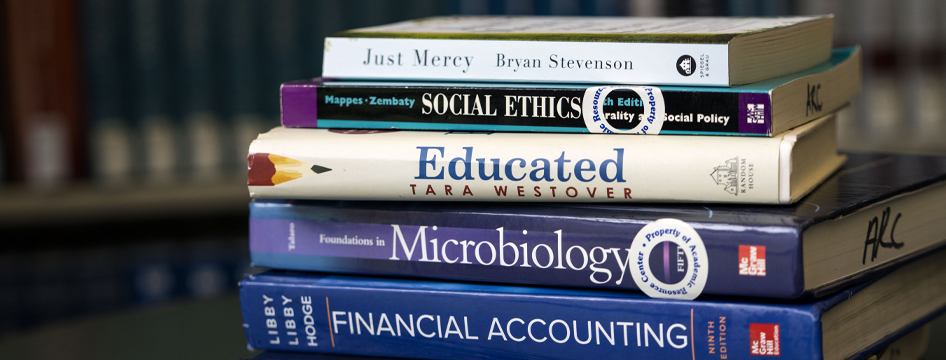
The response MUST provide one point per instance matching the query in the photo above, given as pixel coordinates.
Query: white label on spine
(685, 268)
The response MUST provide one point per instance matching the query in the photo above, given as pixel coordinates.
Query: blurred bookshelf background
(124, 126)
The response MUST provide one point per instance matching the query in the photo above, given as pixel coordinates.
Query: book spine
(47, 127)
(532, 61)
(158, 130)
(112, 152)
(744, 260)
(537, 109)
(442, 321)
(436, 166)
(199, 101)
(243, 43)
(281, 26)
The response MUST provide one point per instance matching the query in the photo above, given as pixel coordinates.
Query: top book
(612, 50)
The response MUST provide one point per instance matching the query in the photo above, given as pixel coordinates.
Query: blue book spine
(152, 106)
(282, 28)
(198, 98)
(243, 83)
(103, 27)
(397, 318)
(532, 247)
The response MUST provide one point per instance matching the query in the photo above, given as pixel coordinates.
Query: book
(159, 137)
(404, 318)
(764, 108)
(43, 79)
(243, 83)
(911, 346)
(452, 166)
(607, 50)
(284, 36)
(199, 102)
(111, 156)
(877, 211)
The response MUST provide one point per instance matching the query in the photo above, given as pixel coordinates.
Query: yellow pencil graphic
(270, 169)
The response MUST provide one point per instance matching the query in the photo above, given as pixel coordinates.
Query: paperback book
(604, 50)
(763, 108)
(877, 211)
(454, 166)
(440, 320)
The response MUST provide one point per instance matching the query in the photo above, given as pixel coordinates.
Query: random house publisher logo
(735, 175)
(685, 65)
(764, 339)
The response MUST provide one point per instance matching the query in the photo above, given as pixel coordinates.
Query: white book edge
(449, 166)
(527, 61)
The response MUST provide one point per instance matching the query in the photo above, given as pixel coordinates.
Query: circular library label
(671, 260)
(649, 115)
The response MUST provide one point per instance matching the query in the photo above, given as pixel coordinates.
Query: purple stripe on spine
(666, 261)
(299, 104)
(747, 127)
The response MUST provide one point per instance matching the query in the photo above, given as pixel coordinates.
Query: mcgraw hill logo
(814, 103)
(751, 260)
(764, 339)
(685, 65)
(727, 175)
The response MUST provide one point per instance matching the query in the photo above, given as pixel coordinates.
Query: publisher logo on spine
(755, 113)
(764, 339)
(685, 65)
(735, 175)
(751, 260)
(671, 260)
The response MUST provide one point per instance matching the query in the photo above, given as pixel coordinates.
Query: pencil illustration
(267, 169)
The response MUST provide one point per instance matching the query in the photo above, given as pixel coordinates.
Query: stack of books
(486, 187)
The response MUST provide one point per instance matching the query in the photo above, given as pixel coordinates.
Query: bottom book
(422, 319)
(912, 346)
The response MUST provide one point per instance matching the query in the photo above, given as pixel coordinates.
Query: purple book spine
(300, 104)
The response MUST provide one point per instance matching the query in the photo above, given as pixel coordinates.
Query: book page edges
(766, 54)
(845, 78)
(791, 187)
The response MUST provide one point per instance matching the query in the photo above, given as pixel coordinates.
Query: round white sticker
(671, 260)
(651, 116)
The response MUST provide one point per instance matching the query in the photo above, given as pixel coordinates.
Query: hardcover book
(607, 50)
(763, 108)
(112, 156)
(159, 140)
(43, 89)
(442, 320)
(452, 166)
(911, 346)
(877, 211)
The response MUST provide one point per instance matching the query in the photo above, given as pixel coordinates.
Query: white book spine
(446, 166)
(527, 61)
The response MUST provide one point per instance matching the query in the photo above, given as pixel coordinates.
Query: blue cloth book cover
(424, 319)
(877, 211)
